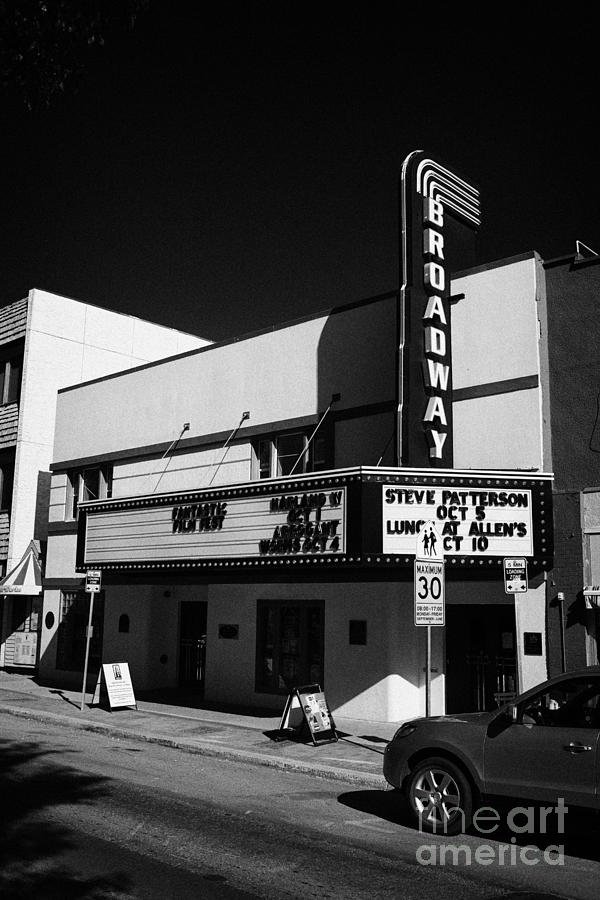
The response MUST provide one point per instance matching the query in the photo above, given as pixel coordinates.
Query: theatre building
(266, 493)
(260, 501)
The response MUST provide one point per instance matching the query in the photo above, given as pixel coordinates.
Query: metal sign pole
(87, 650)
(428, 674)
(429, 591)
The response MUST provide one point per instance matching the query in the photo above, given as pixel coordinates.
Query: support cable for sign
(225, 448)
(334, 399)
(385, 449)
(169, 451)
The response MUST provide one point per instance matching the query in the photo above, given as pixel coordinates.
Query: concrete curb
(347, 776)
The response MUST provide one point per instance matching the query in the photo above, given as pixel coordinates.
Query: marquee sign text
(472, 522)
(306, 528)
(303, 523)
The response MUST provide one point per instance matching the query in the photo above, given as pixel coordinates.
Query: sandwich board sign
(307, 707)
(117, 681)
(515, 575)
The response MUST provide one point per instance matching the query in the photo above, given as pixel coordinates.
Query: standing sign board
(117, 680)
(515, 575)
(429, 577)
(311, 703)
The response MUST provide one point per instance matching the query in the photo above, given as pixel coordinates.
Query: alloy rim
(436, 798)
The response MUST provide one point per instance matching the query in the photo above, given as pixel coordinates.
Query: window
(25, 613)
(94, 483)
(7, 468)
(74, 615)
(11, 364)
(289, 647)
(574, 703)
(276, 456)
(357, 631)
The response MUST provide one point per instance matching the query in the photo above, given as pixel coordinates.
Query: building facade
(572, 286)
(261, 533)
(47, 342)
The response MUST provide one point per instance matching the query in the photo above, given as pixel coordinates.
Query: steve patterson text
(469, 520)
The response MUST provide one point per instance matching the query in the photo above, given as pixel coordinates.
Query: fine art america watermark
(486, 821)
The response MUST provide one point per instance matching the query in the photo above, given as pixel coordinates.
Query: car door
(551, 751)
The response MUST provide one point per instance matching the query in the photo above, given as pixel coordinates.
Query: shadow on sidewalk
(68, 700)
(189, 700)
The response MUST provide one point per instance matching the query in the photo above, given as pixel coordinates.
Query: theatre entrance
(481, 656)
(192, 645)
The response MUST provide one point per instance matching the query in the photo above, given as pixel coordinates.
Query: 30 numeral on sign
(431, 588)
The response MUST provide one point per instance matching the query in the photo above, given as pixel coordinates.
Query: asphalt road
(88, 816)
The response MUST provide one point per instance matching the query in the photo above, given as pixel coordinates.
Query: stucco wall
(278, 376)
(66, 342)
(495, 346)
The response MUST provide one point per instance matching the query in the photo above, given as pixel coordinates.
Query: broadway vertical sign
(434, 202)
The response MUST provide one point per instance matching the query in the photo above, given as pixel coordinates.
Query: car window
(574, 703)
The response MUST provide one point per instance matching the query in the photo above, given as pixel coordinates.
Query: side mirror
(513, 712)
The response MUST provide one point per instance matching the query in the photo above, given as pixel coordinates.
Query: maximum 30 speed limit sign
(429, 593)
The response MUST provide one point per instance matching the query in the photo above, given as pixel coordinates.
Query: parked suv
(542, 747)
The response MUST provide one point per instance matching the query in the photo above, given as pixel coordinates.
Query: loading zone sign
(515, 575)
(93, 581)
(429, 592)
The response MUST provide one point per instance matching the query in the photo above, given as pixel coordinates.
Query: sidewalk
(356, 758)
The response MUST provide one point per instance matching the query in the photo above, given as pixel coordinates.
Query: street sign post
(429, 591)
(93, 582)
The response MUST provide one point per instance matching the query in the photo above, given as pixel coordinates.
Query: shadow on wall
(68, 641)
(31, 782)
(357, 359)
(42, 505)
(575, 612)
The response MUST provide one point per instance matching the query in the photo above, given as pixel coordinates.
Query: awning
(26, 577)
(591, 594)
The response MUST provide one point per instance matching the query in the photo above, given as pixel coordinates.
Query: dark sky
(221, 172)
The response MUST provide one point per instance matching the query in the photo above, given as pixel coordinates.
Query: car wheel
(440, 797)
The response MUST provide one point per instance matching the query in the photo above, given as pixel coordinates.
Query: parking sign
(515, 575)
(429, 593)
(93, 581)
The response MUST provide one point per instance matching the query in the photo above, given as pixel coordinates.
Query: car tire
(440, 797)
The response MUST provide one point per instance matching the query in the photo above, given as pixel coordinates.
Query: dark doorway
(481, 661)
(192, 645)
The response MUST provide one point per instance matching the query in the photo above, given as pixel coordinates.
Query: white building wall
(530, 615)
(66, 342)
(495, 341)
(283, 375)
(378, 681)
